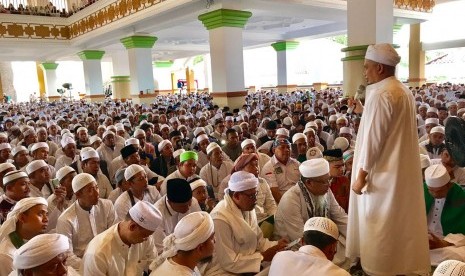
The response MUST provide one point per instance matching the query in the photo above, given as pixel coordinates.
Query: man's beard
(319, 203)
(206, 260)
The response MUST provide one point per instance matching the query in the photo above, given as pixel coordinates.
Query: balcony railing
(56, 8)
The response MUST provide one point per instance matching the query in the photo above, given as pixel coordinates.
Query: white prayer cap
(112, 128)
(81, 180)
(173, 120)
(314, 168)
(64, 171)
(342, 118)
(38, 146)
(438, 129)
(17, 150)
(308, 129)
(345, 130)
(87, 153)
(202, 137)
(341, 143)
(106, 133)
(450, 268)
(81, 129)
(146, 215)
(212, 146)
(163, 144)
(164, 126)
(198, 130)
(282, 131)
(323, 225)
(449, 104)
(229, 118)
(3, 135)
(5, 146)
(432, 109)
(12, 176)
(132, 170)
(119, 127)
(436, 176)
(178, 152)
(425, 161)
(9, 225)
(432, 121)
(29, 131)
(383, 53)
(5, 166)
(94, 139)
(247, 142)
(242, 181)
(287, 121)
(39, 250)
(311, 124)
(66, 141)
(138, 132)
(64, 131)
(198, 183)
(298, 136)
(333, 118)
(35, 165)
(131, 141)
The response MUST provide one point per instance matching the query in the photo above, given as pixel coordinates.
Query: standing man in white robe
(387, 222)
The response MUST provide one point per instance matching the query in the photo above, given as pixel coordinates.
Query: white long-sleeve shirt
(214, 176)
(282, 176)
(123, 202)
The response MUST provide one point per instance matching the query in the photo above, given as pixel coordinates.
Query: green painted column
(49, 69)
(91, 60)
(285, 57)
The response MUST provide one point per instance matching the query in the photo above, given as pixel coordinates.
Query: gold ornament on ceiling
(416, 5)
(33, 31)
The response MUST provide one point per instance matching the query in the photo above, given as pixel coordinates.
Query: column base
(54, 98)
(286, 88)
(233, 100)
(320, 86)
(416, 82)
(144, 98)
(163, 92)
(96, 98)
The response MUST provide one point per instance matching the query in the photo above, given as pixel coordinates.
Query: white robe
(169, 267)
(387, 224)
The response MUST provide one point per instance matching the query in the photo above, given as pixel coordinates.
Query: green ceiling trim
(285, 45)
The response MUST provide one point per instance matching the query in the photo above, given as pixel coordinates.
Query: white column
(162, 76)
(91, 60)
(285, 58)
(50, 75)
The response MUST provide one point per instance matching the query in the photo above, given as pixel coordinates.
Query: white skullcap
(383, 53)
(242, 181)
(3, 135)
(5, 146)
(438, 129)
(229, 118)
(39, 250)
(345, 130)
(5, 166)
(212, 146)
(66, 141)
(12, 176)
(308, 129)
(282, 131)
(198, 183)
(119, 127)
(38, 146)
(342, 118)
(247, 142)
(88, 153)
(146, 215)
(298, 136)
(35, 165)
(198, 130)
(107, 132)
(64, 171)
(28, 132)
(138, 132)
(333, 118)
(132, 170)
(341, 143)
(178, 152)
(173, 120)
(81, 180)
(131, 141)
(323, 225)
(425, 161)
(450, 268)
(314, 168)
(202, 137)
(164, 126)
(163, 144)
(9, 225)
(111, 127)
(436, 176)
(94, 139)
(311, 124)
(432, 121)
(449, 104)
(81, 129)
(287, 121)
(64, 131)
(432, 109)
(17, 150)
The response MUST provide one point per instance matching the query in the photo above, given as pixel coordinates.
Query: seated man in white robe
(445, 205)
(456, 173)
(87, 217)
(250, 146)
(240, 246)
(68, 146)
(121, 185)
(216, 169)
(27, 219)
(39, 175)
(16, 185)
(190, 246)
(186, 169)
(319, 245)
(44, 254)
(435, 144)
(63, 196)
(138, 190)
(126, 248)
(90, 163)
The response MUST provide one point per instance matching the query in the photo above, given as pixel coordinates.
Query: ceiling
(180, 34)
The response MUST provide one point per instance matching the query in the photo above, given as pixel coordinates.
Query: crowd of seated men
(48, 10)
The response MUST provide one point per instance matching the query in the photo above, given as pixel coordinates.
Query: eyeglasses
(251, 196)
(324, 182)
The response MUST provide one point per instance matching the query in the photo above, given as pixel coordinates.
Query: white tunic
(108, 255)
(173, 175)
(123, 202)
(387, 224)
(283, 176)
(77, 225)
(309, 260)
(169, 267)
(7, 249)
(214, 176)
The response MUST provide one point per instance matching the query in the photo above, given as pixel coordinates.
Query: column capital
(91, 55)
(138, 41)
(163, 63)
(285, 45)
(225, 18)
(49, 65)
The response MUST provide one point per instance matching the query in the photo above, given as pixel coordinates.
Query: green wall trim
(49, 65)
(225, 18)
(138, 41)
(163, 63)
(91, 55)
(350, 58)
(355, 48)
(285, 45)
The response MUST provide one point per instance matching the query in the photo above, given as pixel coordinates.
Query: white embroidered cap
(383, 53)
(242, 181)
(64, 171)
(38, 146)
(35, 165)
(132, 170)
(146, 215)
(436, 176)
(323, 225)
(314, 168)
(247, 142)
(450, 268)
(298, 136)
(212, 146)
(81, 180)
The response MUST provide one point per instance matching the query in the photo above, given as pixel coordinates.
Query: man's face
(283, 153)
(100, 131)
(91, 166)
(250, 148)
(132, 159)
(440, 192)
(443, 114)
(21, 158)
(200, 194)
(35, 220)
(89, 195)
(246, 200)
(40, 154)
(432, 115)
(5, 154)
(139, 182)
(56, 267)
(138, 234)
(70, 150)
(436, 138)
(252, 167)
(187, 168)
(271, 133)
(167, 151)
(233, 139)
(204, 144)
(453, 110)
(216, 157)
(371, 71)
(30, 139)
(181, 208)
(165, 133)
(220, 127)
(19, 189)
(318, 186)
(42, 136)
(41, 175)
(336, 168)
(83, 137)
(301, 145)
(428, 127)
(109, 140)
(422, 112)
